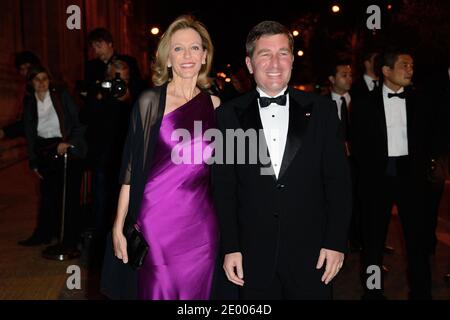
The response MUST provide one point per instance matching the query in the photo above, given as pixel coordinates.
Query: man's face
(103, 50)
(401, 74)
(342, 81)
(271, 63)
(23, 69)
(369, 64)
(41, 82)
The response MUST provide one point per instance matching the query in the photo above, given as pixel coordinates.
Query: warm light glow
(228, 65)
(302, 87)
(295, 33)
(154, 31)
(300, 53)
(335, 8)
(227, 80)
(221, 74)
(389, 6)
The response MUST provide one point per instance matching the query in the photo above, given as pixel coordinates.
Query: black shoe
(388, 249)
(34, 240)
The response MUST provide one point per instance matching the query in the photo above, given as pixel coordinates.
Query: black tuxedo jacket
(359, 88)
(291, 218)
(369, 137)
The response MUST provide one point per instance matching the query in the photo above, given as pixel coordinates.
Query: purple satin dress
(177, 217)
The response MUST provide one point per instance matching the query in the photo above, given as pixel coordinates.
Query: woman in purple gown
(176, 214)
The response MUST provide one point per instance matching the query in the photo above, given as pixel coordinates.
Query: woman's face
(186, 54)
(41, 82)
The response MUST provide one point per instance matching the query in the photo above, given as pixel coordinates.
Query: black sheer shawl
(140, 144)
(118, 280)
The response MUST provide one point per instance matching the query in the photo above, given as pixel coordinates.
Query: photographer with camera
(112, 83)
(107, 131)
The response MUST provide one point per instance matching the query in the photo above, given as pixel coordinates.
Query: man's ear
(386, 71)
(331, 79)
(248, 62)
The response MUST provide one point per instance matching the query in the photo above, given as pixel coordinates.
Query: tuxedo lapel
(250, 119)
(409, 102)
(299, 115)
(379, 103)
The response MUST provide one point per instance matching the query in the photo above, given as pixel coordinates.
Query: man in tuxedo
(369, 80)
(365, 84)
(284, 221)
(340, 77)
(390, 128)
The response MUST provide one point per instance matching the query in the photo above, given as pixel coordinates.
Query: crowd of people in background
(395, 129)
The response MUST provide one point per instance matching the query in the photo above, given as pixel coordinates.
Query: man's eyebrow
(262, 50)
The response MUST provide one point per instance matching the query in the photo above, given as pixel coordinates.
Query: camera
(116, 87)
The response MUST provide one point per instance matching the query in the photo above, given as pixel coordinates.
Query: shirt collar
(386, 90)
(263, 94)
(336, 96)
(47, 95)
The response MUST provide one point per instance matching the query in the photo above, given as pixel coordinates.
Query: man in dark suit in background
(283, 221)
(390, 130)
(107, 118)
(340, 76)
(369, 80)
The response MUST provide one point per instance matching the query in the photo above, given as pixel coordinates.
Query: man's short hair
(267, 28)
(35, 70)
(98, 35)
(24, 57)
(332, 70)
(389, 57)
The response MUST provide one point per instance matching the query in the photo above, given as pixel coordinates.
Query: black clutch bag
(137, 247)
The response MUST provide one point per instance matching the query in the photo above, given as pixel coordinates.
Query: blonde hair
(160, 70)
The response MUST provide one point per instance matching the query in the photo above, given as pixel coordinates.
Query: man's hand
(232, 261)
(62, 148)
(334, 261)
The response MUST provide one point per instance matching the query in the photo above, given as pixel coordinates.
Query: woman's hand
(62, 148)
(120, 245)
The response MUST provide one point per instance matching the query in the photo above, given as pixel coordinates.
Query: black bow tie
(265, 101)
(400, 95)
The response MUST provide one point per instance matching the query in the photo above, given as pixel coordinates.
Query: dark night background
(40, 26)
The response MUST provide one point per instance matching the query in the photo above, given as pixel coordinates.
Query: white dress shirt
(337, 98)
(396, 123)
(275, 122)
(369, 82)
(48, 122)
